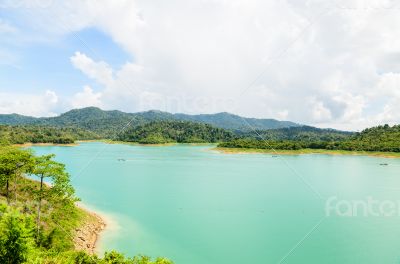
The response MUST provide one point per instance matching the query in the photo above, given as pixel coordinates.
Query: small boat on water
(121, 160)
(384, 164)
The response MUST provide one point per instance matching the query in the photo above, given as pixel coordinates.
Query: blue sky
(48, 64)
(324, 63)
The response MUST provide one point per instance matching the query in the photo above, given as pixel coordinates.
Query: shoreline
(87, 235)
(28, 144)
(151, 145)
(233, 150)
(306, 152)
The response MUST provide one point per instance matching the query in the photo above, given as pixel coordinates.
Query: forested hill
(299, 133)
(378, 139)
(15, 119)
(106, 123)
(381, 138)
(235, 122)
(43, 134)
(160, 132)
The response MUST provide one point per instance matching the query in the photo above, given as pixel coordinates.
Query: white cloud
(29, 104)
(389, 87)
(269, 57)
(86, 98)
(99, 71)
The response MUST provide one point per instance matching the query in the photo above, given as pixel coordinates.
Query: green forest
(381, 138)
(43, 134)
(299, 133)
(175, 132)
(38, 220)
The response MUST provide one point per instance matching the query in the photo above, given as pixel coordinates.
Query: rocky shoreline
(87, 235)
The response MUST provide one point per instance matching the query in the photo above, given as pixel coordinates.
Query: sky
(330, 63)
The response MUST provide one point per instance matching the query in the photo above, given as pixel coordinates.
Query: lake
(197, 206)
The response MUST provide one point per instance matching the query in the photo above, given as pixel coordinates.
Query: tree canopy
(175, 131)
(381, 138)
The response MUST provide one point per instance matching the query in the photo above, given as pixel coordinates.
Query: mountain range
(100, 121)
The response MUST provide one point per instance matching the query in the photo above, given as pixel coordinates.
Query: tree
(13, 162)
(15, 237)
(46, 167)
(114, 257)
(84, 258)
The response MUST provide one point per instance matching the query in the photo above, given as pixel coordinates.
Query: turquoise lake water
(197, 206)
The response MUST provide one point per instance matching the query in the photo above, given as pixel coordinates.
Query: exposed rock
(87, 235)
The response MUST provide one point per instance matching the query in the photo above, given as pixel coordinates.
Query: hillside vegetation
(146, 127)
(43, 134)
(381, 139)
(175, 131)
(300, 133)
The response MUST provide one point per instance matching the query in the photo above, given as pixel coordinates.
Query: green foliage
(92, 123)
(17, 233)
(16, 237)
(175, 131)
(381, 138)
(299, 133)
(43, 134)
(261, 144)
(84, 258)
(60, 189)
(155, 138)
(13, 162)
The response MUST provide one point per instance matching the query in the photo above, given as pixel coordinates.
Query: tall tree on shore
(13, 163)
(59, 189)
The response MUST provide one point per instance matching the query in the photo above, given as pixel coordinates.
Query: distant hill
(380, 139)
(107, 123)
(15, 119)
(235, 122)
(20, 134)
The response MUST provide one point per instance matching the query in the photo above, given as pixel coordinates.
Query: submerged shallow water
(197, 206)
